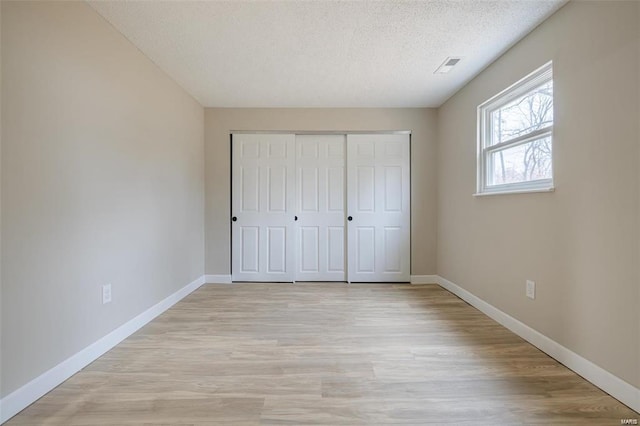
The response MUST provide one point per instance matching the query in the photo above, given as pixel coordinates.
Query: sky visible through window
(530, 160)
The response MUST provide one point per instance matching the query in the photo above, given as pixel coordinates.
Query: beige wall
(219, 122)
(581, 243)
(102, 182)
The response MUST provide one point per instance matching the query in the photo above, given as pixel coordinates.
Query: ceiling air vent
(447, 65)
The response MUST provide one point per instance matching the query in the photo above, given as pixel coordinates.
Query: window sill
(514, 191)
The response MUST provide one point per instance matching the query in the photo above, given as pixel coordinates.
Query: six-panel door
(278, 178)
(378, 206)
(320, 199)
(263, 227)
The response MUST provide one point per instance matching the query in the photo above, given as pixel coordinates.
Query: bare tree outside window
(532, 160)
(515, 137)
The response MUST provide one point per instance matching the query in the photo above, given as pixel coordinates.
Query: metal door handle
(349, 218)
(295, 218)
(234, 218)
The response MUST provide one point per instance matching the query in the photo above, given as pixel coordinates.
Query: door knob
(234, 218)
(349, 218)
(295, 218)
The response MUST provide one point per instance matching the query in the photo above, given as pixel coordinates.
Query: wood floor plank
(328, 354)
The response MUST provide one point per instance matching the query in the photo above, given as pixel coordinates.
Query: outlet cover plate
(531, 289)
(106, 294)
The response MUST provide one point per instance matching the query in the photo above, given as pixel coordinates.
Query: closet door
(263, 185)
(378, 194)
(320, 199)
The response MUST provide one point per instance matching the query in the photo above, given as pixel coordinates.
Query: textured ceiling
(323, 53)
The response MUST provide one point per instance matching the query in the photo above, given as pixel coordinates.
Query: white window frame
(485, 149)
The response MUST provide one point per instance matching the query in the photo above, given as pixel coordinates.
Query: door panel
(263, 185)
(366, 249)
(378, 200)
(250, 244)
(365, 149)
(366, 189)
(335, 189)
(309, 248)
(277, 189)
(250, 189)
(393, 189)
(277, 251)
(320, 169)
(309, 196)
(392, 240)
(335, 249)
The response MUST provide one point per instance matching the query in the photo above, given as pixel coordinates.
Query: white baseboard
(218, 279)
(424, 279)
(21, 398)
(613, 385)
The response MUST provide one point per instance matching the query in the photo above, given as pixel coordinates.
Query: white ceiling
(323, 53)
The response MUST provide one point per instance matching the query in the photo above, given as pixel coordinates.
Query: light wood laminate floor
(324, 354)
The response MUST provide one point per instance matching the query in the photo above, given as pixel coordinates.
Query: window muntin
(515, 137)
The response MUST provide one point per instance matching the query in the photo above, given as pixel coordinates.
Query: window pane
(524, 115)
(530, 161)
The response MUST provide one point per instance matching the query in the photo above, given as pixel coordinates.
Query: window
(515, 137)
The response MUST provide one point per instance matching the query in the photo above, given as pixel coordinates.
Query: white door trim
(320, 132)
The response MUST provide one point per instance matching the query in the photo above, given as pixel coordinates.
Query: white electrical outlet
(531, 289)
(106, 294)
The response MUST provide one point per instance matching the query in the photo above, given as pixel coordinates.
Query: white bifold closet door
(378, 205)
(320, 208)
(320, 199)
(263, 203)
